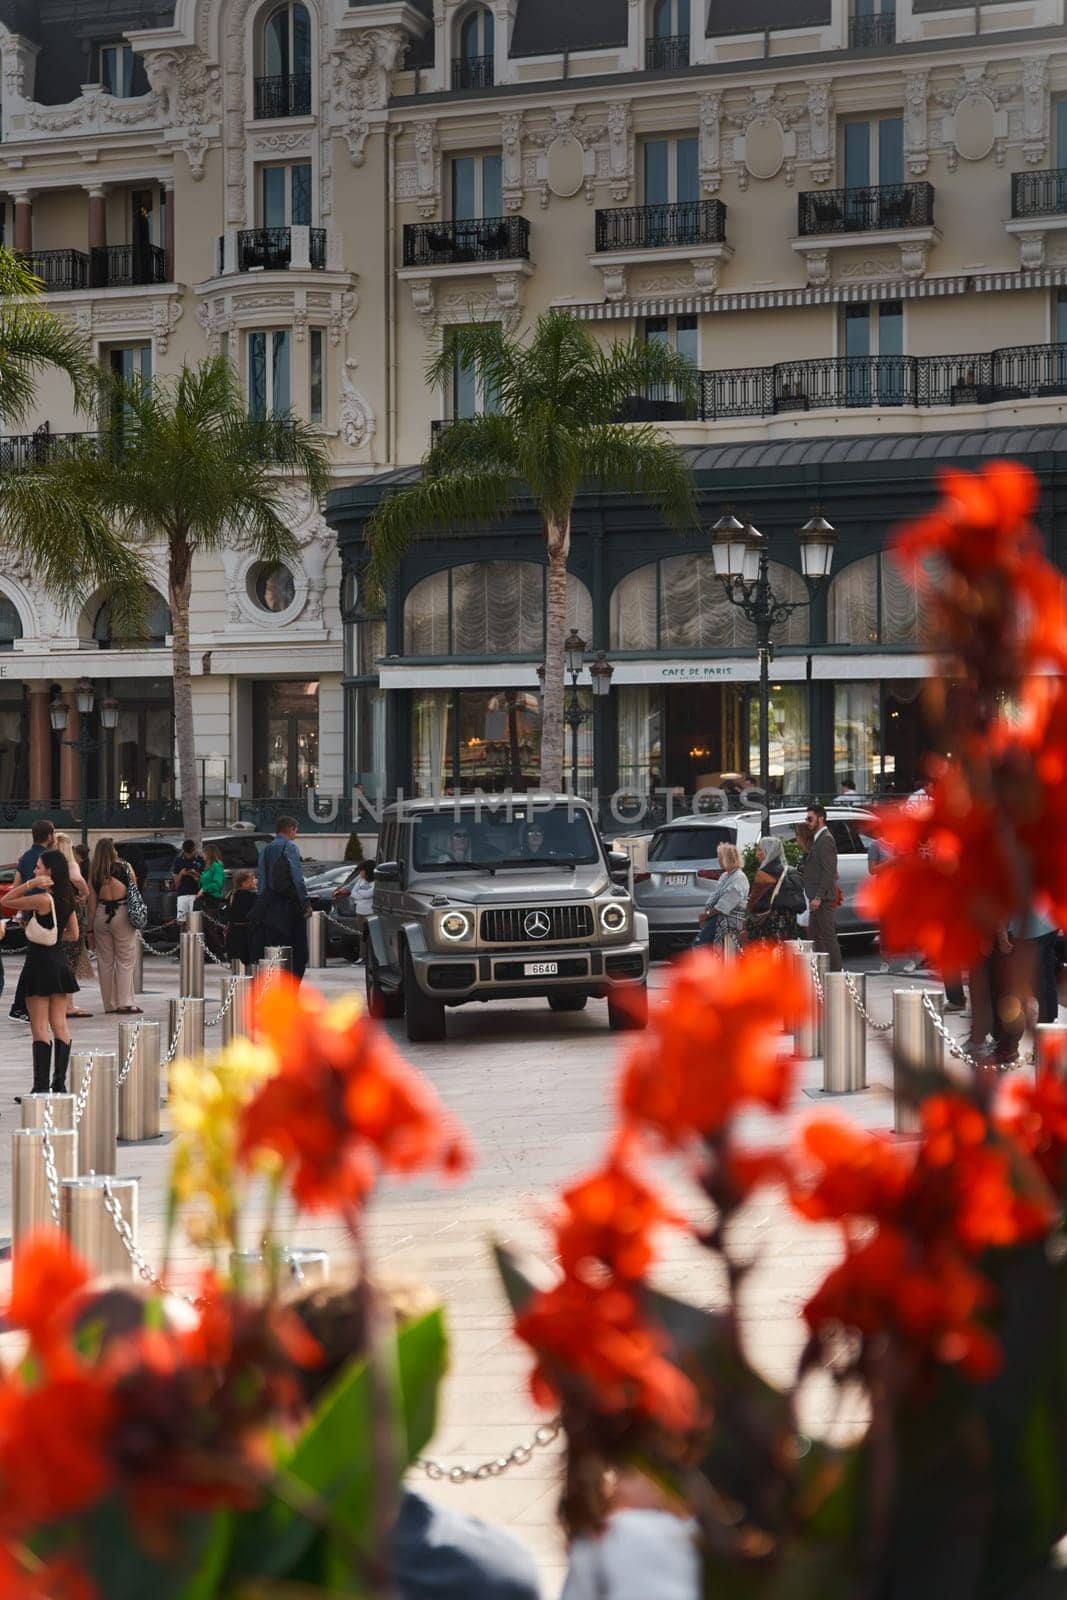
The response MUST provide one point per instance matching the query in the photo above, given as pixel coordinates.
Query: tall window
(1059, 317)
(476, 42)
(873, 330)
(129, 361)
(681, 335)
(477, 187)
(116, 69)
(287, 42)
(874, 152)
(285, 738)
(316, 364)
(469, 394)
(1059, 133)
(670, 19)
(148, 211)
(671, 171)
(269, 372)
(285, 196)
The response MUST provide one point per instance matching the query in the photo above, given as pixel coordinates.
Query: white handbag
(36, 933)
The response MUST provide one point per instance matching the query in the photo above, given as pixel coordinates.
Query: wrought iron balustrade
(271, 249)
(1018, 372)
(433, 244)
(317, 249)
(1039, 194)
(58, 269)
(285, 96)
(660, 227)
(872, 33)
(667, 54)
(121, 266)
(19, 451)
(472, 72)
(866, 210)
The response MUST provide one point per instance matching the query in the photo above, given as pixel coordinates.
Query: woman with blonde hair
(722, 921)
(76, 950)
(114, 936)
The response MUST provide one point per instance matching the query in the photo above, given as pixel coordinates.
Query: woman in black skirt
(49, 896)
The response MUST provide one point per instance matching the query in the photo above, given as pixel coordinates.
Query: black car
(328, 890)
(238, 850)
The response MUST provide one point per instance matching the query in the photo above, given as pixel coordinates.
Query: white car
(682, 865)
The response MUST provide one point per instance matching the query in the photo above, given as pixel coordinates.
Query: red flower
(46, 1280)
(607, 1221)
(23, 1577)
(343, 1104)
(1034, 1115)
(949, 882)
(844, 1174)
(713, 1045)
(967, 1186)
(597, 1338)
(53, 1448)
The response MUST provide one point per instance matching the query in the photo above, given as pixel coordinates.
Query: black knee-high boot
(42, 1062)
(62, 1062)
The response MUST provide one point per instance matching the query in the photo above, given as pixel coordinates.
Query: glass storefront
(136, 762)
(789, 749)
(14, 753)
(881, 736)
(468, 739)
(285, 738)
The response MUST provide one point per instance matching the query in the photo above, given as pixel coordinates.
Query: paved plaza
(534, 1090)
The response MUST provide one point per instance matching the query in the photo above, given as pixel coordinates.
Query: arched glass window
(473, 66)
(679, 604)
(876, 601)
(670, 19)
(487, 608)
(157, 625)
(10, 623)
(283, 87)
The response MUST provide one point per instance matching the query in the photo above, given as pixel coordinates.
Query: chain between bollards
(496, 1466)
(147, 1273)
(879, 1027)
(172, 1048)
(815, 979)
(51, 1176)
(209, 1022)
(954, 1047)
(124, 1071)
(82, 1099)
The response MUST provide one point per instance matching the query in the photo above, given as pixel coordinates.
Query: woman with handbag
(47, 978)
(776, 896)
(722, 921)
(114, 903)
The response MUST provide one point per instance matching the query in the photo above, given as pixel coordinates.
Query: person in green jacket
(212, 880)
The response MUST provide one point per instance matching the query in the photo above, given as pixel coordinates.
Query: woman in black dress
(49, 897)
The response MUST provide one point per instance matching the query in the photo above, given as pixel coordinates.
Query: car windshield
(689, 844)
(514, 836)
(330, 877)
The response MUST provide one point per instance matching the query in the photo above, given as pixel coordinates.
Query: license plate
(677, 880)
(540, 969)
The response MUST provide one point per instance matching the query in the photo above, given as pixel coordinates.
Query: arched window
(875, 601)
(475, 46)
(679, 604)
(668, 35)
(487, 608)
(283, 86)
(10, 623)
(153, 636)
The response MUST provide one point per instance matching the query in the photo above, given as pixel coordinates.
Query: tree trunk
(180, 582)
(552, 727)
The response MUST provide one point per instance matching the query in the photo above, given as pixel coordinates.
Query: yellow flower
(206, 1100)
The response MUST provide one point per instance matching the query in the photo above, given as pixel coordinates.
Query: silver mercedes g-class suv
(493, 898)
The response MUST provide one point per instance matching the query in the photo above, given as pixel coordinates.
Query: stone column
(168, 229)
(70, 771)
(40, 747)
(97, 218)
(23, 222)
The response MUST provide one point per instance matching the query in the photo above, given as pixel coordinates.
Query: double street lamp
(742, 567)
(574, 713)
(84, 744)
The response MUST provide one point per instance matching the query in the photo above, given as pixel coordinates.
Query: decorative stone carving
(706, 274)
(767, 142)
(1032, 250)
(1035, 109)
(913, 258)
(975, 127)
(356, 421)
(427, 168)
(620, 149)
(565, 166)
(424, 302)
(187, 87)
(869, 268)
(710, 143)
(512, 127)
(215, 323)
(569, 160)
(508, 298)
(614, 281)
(269, 144)
(916, 132)
(818, 265)
(18, 56)
(362, 74)
(166, 314)
(344, 309)
(820, 133)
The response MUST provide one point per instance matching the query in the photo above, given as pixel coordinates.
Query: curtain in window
(430, 758)
(902, 605)
(858, 735)
(853, 604)
(498, 608)
(640, 723)
(426, 617)
(789, 744)
(633, 611)
(579, 607)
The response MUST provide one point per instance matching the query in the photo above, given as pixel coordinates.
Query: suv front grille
(506, 926)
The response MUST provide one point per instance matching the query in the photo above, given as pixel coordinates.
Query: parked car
(682, 866)
(329, 891)
(238, 850)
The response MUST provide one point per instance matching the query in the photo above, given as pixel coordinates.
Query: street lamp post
(84, 744)
(600, 674)
(742, 567)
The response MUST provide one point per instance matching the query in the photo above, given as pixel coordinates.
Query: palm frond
(637, 369)
(433, 505)
(32, 340)
(467, 443)
(71, 541)
(638, 460)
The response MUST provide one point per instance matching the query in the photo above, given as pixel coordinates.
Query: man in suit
(819, 875)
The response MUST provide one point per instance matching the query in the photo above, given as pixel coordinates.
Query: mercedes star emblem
(537, 925)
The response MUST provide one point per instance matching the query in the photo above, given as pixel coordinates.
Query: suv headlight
(613, 917)
(455, 926)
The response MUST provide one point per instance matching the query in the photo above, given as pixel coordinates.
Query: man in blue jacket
(280, 914)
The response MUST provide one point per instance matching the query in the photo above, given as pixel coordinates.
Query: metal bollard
(191, 968)
(844, 1036)
(194, 921)
(809, 1034)
(916, 1044)
(237, 1023)
(34, 1105)
(1050, 1049)
(138, 965)
(296, 1265)
(31, 1206)
(266, 972)
(240, 969)
(317, 939)
(84, 1218)
(281, 955)
(99, 1126)
(190, 1030)
(139, 1090)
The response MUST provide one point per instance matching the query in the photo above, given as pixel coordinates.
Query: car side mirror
(619, 866)
(387, 872)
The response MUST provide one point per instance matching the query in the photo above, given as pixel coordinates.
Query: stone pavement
(534, 1090)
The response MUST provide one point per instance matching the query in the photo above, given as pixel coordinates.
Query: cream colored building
(853, 218)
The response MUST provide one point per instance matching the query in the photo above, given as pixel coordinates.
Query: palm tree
(556, 397)
(187, 468)
(69, 547)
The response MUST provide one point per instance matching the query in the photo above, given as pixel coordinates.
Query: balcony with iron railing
(286, 96)
(667, 54)
(1039, 194)
(472, 72)
(439, 244)
(271, 250)
(663, 227)
(871, 209)
(21, 451)
(872, 33)
(124, 266)
(58, 270)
